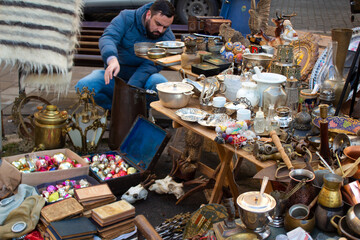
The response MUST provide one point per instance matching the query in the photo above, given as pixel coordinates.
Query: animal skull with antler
(139, 191)
(169, 186)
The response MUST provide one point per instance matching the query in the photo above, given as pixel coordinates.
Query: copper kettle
(50, 127)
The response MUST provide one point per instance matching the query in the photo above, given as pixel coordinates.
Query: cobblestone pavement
(319, 16)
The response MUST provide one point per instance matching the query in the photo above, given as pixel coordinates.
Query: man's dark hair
(164, 7)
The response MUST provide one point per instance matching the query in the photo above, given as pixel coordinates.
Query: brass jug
(330, 194)
(50, 127)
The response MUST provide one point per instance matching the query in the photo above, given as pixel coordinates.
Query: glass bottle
(271, 123)
(259, 122)
(327, 96)
(274, 95)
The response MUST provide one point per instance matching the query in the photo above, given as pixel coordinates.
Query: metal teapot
(50, 127)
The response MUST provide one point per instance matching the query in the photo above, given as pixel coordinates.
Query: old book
(109, 222)
(96, 192)
(54, 236)
(113, 212)
(62, 209)
(97, 203)
(76, 227)
(117, 232)
(117, 225)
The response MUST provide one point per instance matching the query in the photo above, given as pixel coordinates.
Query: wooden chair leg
(145, 228)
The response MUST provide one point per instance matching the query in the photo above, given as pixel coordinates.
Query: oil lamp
(87, 122)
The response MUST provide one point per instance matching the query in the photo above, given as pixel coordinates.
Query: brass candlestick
(324, 133)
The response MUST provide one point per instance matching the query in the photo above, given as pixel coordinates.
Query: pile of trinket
(233, 51)
(108, 166)
(235, 133)
(54, 193)
(33, 163)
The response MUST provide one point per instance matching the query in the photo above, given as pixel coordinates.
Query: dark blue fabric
(118, 40)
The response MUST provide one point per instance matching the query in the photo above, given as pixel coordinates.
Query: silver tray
(191, 114)
(170, 44)
(214, 120)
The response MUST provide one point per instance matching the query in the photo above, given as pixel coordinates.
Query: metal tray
(191, 114)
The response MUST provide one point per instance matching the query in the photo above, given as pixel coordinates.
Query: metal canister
(283, 116)
(50, 127)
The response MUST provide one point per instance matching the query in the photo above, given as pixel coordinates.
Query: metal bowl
(141, 48)
(171, 47)
(156, 53)
(256, 59)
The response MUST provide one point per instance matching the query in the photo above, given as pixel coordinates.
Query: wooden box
(197, 23)
(212, 25)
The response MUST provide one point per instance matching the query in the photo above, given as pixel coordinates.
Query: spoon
(263, 186)
(258, 72)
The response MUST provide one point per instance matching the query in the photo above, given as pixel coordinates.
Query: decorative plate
(340, 124)
(191, 114)
(321, 60)
(306, 52)
(355, 39)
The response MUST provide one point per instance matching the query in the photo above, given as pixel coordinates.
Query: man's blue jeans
(104, 93)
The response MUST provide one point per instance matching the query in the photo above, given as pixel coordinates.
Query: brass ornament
(306, 52)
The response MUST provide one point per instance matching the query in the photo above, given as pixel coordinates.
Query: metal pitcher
(330, 194)
(50, 127)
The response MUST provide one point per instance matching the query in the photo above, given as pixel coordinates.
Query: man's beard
(150, 34)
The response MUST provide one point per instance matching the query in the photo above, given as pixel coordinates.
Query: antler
(279, 17)
(290, 16)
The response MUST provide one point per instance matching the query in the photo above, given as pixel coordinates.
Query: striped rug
(39, 37)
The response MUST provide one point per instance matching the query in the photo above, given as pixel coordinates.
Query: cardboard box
(36, 178)
(141, 149)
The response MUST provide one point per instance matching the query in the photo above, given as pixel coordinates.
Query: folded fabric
(24, 191)
(28, 212)
(9, 179)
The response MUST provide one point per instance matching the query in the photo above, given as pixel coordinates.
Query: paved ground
(313, 15)
(318, 16)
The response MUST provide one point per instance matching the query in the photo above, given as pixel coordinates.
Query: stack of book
(67, 208)
(94, 196)
(115, 219)
(76, 228)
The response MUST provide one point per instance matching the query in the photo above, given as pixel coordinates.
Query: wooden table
(225, 175)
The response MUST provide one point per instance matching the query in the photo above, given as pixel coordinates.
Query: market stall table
(225, 151)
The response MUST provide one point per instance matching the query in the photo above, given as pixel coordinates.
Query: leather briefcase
(212, 25)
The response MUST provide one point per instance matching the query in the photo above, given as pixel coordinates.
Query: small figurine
(289, 34)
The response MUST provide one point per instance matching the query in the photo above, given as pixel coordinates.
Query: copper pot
(353, 218)
(307, 192)
(291, 220)
(50, 127)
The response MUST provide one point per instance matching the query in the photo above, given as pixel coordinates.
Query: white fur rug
(39, 37)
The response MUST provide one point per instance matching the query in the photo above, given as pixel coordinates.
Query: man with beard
(149, 23)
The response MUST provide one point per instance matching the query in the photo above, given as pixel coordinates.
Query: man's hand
(112, 70)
